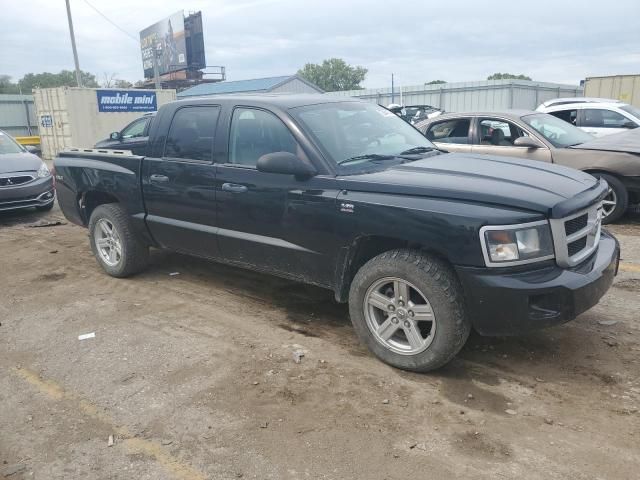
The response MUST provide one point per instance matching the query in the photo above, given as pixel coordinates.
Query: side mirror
(115, 136)
(32, 149)
(285, 163)
(528, 142)
(629, 124)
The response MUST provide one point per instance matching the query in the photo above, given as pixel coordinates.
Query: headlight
(516, 244)
(43, 171)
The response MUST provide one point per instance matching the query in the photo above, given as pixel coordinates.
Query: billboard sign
(126, 101)
(167, 39)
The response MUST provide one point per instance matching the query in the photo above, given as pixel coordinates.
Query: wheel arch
(91, 199)
(363, 249)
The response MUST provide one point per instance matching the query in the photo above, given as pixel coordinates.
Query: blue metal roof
(238, 86)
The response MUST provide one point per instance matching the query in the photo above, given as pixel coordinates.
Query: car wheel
(408, 308)
(115, 245)
(617, 200)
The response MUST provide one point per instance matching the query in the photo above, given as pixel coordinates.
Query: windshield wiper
(416, 150)
(368, 156)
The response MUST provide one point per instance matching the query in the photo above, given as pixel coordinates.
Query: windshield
(558, 132)
(360, 135)
(632, 110)
(9, 145)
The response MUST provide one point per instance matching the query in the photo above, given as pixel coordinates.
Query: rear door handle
(234, 188)
(158, 178)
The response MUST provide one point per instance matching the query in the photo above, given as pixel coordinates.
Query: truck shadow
(556, 354)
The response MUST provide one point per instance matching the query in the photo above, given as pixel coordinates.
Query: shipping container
(80, 117)
(488, 95)
(625, 88)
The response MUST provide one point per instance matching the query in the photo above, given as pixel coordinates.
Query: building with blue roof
(282, 84)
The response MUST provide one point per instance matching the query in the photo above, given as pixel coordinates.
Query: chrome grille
(576, 237)
(15, 180)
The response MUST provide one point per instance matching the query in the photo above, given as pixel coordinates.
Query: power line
(112, 22)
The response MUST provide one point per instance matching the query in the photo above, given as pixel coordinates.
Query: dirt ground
(193, 375)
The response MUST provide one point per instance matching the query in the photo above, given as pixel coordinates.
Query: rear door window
(191, 133)
(450, 131)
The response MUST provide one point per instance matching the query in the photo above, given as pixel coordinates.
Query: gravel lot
(193, 375)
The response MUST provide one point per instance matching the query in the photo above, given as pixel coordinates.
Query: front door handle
(158, 178)
(234, 188)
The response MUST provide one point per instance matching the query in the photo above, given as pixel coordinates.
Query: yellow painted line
(629, 267)
(133, 444)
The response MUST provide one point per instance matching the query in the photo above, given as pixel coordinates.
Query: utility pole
(393, 91)
(73, 46)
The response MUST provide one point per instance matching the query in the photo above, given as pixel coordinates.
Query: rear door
(600, 121)
(179, 182)
(269, 221)
(495, 136)
(452, 135)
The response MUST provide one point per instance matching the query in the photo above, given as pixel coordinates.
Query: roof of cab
(283, 101)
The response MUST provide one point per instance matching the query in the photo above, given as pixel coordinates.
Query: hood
(19, 162)
(628, 142)
(517, 183)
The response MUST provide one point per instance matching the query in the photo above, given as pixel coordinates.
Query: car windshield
(358, 135)
(632, 110)
(9, 145)
(558, 132)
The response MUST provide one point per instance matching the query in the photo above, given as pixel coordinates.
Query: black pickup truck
(424, 245)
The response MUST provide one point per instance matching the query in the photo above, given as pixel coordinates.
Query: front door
(600, 122)
(494, 136)
(179, 185)
(268, 221)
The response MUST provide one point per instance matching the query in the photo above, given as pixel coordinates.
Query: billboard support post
(156, 74)
(73, 46)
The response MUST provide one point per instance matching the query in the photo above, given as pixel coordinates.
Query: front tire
(408, 308)
(114, 242)
(616, 202)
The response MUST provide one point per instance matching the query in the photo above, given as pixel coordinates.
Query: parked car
(415, 113)
(540, 136)
(25, 180)
(133, 137)
(597, 116)
(344, 195)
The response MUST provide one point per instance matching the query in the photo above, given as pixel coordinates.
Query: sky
(418, 41)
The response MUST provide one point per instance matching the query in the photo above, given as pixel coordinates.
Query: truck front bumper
(37, 193)
(501, 303)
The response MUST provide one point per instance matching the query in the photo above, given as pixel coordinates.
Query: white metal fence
(17, 115)
(489, 95)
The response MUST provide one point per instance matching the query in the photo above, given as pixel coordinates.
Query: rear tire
(114, 242)
(617, 193)
(421, 326)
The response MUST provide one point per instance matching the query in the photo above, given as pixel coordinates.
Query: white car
(597, 116)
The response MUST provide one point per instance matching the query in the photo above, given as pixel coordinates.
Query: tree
(507, 76)
(435, 82)
(65, 78)
(119, 83)
(7, 86)
(334, 75)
